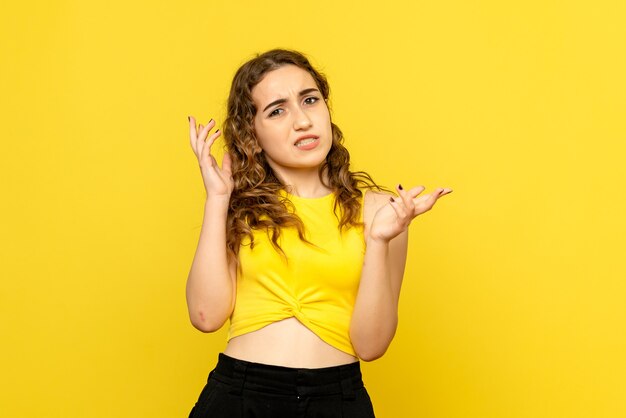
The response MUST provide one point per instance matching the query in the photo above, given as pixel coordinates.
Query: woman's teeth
(305, 142)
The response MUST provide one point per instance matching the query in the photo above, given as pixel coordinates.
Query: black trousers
(243, 389)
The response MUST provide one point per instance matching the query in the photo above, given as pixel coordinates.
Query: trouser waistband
(240, 374)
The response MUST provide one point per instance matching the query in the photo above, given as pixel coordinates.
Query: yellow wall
(514, 298)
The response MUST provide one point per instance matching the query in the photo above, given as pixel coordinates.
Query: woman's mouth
(307, 143)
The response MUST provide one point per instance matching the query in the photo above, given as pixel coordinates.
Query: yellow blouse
(316, 284)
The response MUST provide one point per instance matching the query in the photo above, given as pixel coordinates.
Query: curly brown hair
(256, 201)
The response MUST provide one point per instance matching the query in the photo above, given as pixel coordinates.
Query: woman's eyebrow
(281, 101)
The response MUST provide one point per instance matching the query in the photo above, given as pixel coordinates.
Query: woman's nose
(302, 120)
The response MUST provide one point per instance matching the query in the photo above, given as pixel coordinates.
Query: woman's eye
(311, 100)
(276, 112)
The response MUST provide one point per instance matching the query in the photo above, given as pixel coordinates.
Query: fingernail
(400, 187)
(391, 199)
(210, 121)
(217, 131)
(189, 118)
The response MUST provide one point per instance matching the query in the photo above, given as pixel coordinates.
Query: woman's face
(292, 122)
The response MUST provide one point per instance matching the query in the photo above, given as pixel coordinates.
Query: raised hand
(394, 218)
(218, 182)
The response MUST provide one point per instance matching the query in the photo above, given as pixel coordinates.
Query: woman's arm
(375, 315)
(211, 284)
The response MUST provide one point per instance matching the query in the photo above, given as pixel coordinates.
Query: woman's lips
(307, 143)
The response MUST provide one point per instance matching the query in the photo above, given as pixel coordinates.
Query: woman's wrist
(378, 241)
(218, 200)
(217, 203)
(373, 241)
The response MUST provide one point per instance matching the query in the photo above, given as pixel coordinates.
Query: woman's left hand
(394, 218)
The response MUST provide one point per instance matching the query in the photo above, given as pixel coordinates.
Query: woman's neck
(303, 182)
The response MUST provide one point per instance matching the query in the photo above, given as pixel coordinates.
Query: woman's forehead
(282, 82)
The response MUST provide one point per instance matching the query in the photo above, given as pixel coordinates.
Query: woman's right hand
(218, 182)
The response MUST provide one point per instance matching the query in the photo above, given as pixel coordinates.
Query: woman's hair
(255, 202)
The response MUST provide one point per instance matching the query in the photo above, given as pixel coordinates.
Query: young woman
(304, 256)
